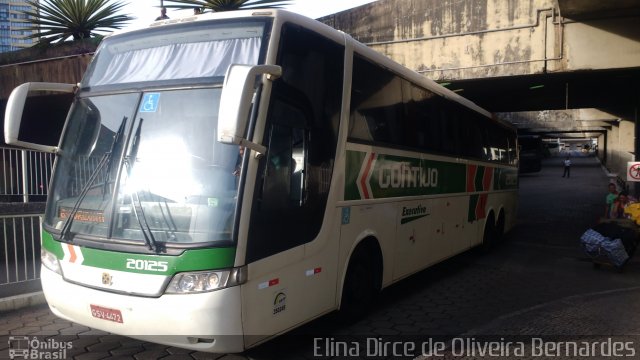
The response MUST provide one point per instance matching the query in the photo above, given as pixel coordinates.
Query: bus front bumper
(209, 322)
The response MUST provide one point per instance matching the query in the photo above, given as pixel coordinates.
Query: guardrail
(24, 174)
(19, 251)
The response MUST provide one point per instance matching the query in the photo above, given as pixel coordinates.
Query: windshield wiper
(110, 160)
(138, 211)
(106, 159)
(168, 219)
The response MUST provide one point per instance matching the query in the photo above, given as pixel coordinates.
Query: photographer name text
(464, 347)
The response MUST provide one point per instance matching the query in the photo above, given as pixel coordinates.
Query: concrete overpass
(561, 68)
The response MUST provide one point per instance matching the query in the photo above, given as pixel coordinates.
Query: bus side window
(283, 181)
(278, 170)
(276, 224)
(298, 167)
(301, 132)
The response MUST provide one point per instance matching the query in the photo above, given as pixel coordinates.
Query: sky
(147, 10)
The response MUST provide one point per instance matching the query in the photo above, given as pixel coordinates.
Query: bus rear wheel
(489, 236)
(360, 288)
(499, 231)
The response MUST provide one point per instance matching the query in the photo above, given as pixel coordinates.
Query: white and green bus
(224, 178)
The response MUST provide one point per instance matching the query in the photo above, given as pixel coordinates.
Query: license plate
(106, 313)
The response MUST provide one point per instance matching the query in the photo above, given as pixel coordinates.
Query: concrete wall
(446, 39)
(470, 39)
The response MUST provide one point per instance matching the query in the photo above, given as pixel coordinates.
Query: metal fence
(19, 252)
(24, 175)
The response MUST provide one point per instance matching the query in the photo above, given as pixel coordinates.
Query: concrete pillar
(602, 148)
(612, 141)
(621, 145)
(627, 149)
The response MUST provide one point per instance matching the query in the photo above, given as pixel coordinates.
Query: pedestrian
(610, 198)
(619, 204)
(163, 14)
(567, 168)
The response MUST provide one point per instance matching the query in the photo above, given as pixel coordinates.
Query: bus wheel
(499, 232)
(489, 236)
(359, 290)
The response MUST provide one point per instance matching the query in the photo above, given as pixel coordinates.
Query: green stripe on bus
(412, 218)
(189, 260)
(49, 244)
(375, 176)
(353, 164)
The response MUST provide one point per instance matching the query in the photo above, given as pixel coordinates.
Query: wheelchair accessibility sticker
(150, 102)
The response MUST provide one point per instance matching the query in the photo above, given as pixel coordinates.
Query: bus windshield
(148, 162)
(138, 165)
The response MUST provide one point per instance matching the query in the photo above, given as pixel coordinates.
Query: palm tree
(227, 5)
(58, 20)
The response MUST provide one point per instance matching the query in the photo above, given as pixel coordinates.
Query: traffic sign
(633, 171)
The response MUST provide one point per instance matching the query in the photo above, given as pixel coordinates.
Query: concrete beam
(464, 39)
(600, 44)
(584, 9)
(577, 119)
(574, 137)
(592, 114)
(562, 124)
(563, 131)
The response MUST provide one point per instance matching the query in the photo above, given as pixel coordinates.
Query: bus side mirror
(15, 116)
(236, 100)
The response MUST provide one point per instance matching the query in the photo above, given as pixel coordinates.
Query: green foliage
(227, 5)
(59, 20)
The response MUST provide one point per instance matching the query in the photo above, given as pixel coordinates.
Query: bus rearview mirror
(15, 116)
(235, 102)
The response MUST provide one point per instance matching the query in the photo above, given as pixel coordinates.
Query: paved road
(538, 282)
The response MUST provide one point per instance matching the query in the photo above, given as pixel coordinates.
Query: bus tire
(489, 236)
(499, 231)
(360, 284)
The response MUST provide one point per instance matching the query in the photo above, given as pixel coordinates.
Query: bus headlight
(203, 281)
(50, 261)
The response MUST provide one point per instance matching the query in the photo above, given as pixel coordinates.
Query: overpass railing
(24, 185)
(19, 254)
(24, 175)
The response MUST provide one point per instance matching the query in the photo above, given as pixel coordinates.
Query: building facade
(12, 33)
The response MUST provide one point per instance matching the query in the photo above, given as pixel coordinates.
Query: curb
(21, 301)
